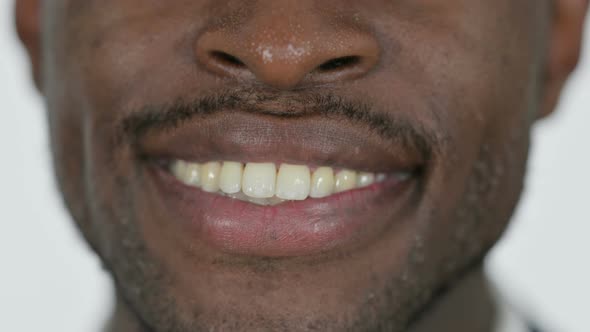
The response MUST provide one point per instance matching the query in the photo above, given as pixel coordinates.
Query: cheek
(480, 96)
(92, 170)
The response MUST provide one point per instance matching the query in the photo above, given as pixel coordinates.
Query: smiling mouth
(262, 184)
(238, 224)
(255, 183)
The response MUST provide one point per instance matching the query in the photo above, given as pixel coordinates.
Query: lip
(310, 227)
(290, 229)
(243, 137)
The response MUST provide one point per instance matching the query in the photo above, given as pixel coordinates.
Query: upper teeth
(260, 183)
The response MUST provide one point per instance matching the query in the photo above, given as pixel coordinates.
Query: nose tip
(291, 61)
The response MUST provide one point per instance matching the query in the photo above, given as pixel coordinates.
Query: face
(293, 165)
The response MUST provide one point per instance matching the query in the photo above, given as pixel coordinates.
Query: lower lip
(295, 228)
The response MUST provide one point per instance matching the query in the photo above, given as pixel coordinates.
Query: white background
(49, 280)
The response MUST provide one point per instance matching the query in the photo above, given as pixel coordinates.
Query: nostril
(227, 59)
(339, 63)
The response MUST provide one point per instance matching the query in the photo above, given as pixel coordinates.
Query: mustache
(156, 118)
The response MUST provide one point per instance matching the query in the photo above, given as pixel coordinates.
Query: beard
(146, 286)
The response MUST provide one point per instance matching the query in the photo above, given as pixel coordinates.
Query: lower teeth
(258, 201)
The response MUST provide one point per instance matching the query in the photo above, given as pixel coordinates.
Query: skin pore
(450, 88)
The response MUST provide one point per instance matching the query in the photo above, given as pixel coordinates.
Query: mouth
(265, 186)
(261, 184)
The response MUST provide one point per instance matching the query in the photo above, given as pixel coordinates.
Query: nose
(288, 48)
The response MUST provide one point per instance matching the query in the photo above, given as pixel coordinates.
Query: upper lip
(240, 134)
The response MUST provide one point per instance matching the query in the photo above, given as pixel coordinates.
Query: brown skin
(474, 74)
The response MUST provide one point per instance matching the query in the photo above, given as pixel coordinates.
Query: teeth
(260, 201)
(322, 182)
(230, 179)
(178, 169)
(259, 183)
(210, 176)
(188, 173)
(293, 182)
(259, 180)
(345, 180)
(365, 179)
(193, 173)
